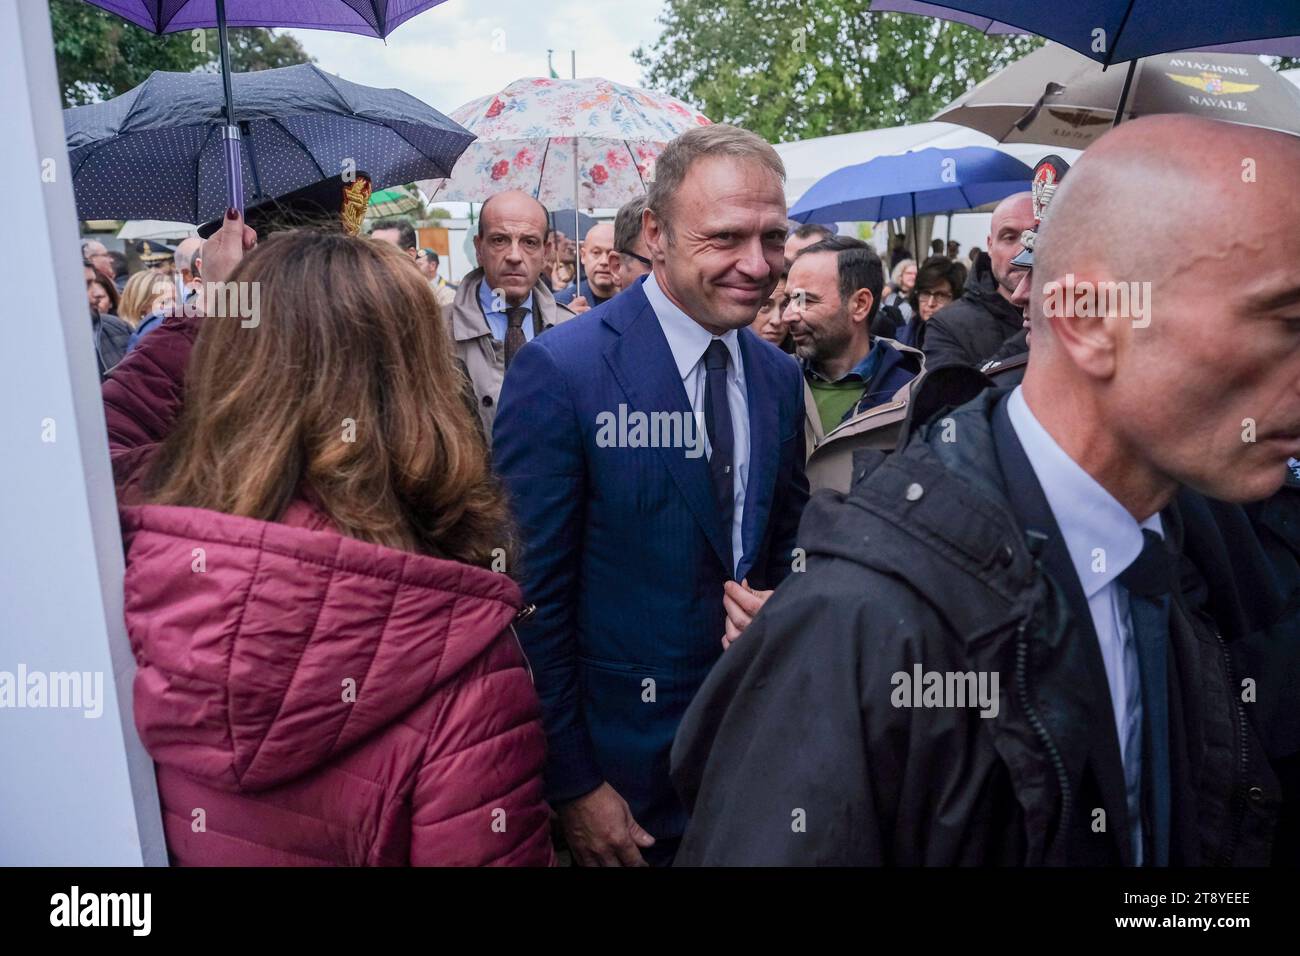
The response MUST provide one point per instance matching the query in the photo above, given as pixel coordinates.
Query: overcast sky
(463, 49)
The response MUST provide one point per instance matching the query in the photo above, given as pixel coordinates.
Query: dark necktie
(722, 443)
(1149, 581)
(514, 331)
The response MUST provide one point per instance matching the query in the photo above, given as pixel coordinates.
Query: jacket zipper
(1243, 757)
(1022, 689)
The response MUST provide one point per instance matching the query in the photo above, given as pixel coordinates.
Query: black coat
(972, 329)
(792, 752)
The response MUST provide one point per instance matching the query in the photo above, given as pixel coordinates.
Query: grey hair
(718, 139)
(896, 276)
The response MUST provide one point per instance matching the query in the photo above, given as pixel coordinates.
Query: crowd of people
(749, 548)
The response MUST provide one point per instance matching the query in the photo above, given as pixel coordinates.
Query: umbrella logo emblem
(1213, 83)
(1077, 118)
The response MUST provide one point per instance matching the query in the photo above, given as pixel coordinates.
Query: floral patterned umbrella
(526, 136)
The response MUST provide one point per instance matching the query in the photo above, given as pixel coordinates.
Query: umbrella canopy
(562, 220)
(917, 183)
(1113, 31)
(374, 18)
(527, 134)
(156, 152)
(393, 202)
(1057, 97)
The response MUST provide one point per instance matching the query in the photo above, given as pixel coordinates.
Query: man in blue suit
(653, 449)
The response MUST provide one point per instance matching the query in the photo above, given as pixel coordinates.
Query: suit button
(1256, 794)
(1006, 555)
(914, 492)
(487, 401)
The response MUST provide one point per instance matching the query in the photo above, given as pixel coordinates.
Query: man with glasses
(630, 259)
(972, 329)
(599, 280)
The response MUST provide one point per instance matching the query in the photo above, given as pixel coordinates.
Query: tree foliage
(100, 55)
(793, 69)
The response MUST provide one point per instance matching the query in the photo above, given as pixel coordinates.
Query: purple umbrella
(376, 18)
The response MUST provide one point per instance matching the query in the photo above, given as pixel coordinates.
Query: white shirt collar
(1089, 517)
(687, 339)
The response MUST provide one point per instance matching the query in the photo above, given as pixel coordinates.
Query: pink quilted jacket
(313, 699)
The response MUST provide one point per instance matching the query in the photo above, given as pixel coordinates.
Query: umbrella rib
(1118, 32)
(310, 155)
(198, 164)
(541, 172)
(635, 166)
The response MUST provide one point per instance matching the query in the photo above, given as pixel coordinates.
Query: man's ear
(860, 305)
(654, 234)
(1080, 322)
(478, 249)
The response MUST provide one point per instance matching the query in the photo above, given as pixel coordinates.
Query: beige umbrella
(1057, 97)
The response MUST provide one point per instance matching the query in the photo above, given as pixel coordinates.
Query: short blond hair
(138, 295)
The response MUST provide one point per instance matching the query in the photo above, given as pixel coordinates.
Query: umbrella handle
(234, 168)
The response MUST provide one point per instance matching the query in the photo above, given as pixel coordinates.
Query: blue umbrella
(158, 151)
(375, 18)
(913, 184)
(1114, 31)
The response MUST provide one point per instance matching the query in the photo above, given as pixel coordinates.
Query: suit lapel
(643, 365)
(764, 450)
(1098, 727)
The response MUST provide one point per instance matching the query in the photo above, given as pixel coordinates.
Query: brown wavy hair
(347, 331)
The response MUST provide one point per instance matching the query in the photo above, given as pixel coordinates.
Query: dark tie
(717, 421)
(514, 331)
(1149, 581)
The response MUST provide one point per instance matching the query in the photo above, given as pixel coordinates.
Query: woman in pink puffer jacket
(327, 672)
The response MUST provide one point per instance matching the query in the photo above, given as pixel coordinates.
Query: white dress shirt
(1103, 539)
(688, 341)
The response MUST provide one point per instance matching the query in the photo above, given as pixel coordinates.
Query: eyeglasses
(632, 255)
(934, 296)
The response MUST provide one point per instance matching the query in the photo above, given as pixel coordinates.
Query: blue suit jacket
(624, 547)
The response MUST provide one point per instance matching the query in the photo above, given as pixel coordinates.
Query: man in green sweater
(832, 295)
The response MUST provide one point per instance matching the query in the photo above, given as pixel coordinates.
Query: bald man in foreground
(1003, 649)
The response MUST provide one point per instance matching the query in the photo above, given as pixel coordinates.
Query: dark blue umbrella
(157, 151)
(913, 184)
(375, 18)
(1115, 31)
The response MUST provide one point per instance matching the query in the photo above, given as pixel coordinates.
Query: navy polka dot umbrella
(158, 151)
(375, 18)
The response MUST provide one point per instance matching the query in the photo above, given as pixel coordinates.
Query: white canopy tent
(807, 161)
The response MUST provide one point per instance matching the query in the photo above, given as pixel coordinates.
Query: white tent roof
(158, 229)
(808, 160)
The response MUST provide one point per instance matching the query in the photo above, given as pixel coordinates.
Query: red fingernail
(232, 213)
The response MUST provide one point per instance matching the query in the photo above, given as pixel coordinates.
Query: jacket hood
(948, 521)
(266, 649)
